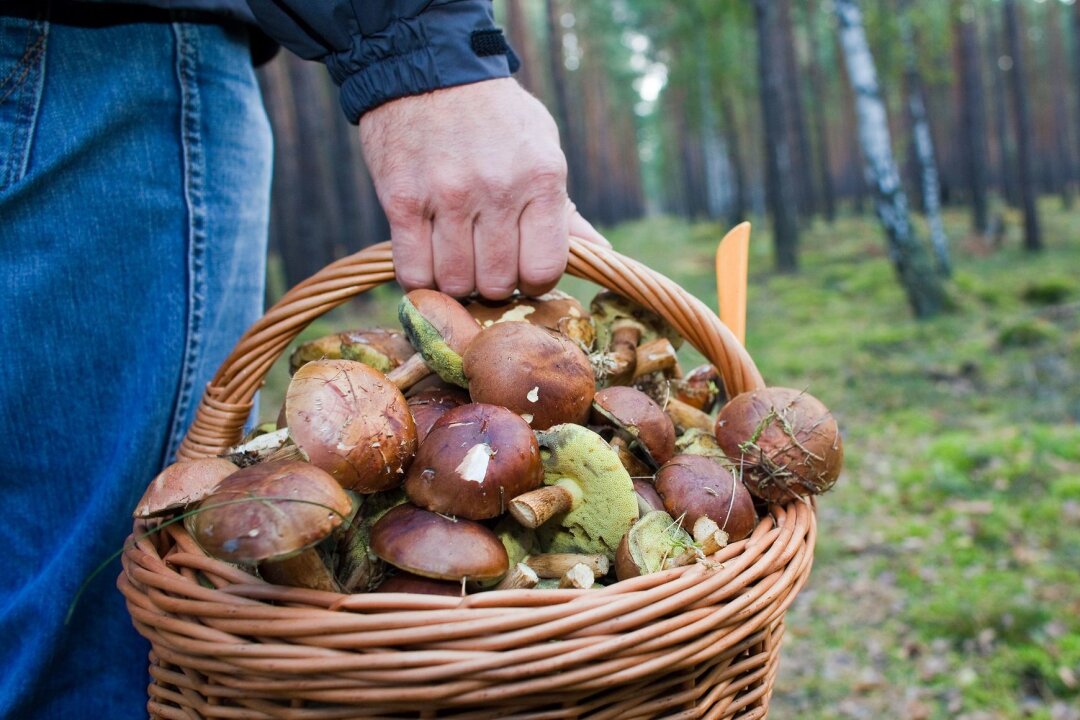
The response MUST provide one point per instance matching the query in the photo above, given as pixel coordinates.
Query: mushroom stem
(536, 507)
(409, 372)
(633, 464)
(553, 565)
(655, 356)
(709, 539)
(625, 336)
(520, 577)
(306, 570)
(577, 577)
(686, 416)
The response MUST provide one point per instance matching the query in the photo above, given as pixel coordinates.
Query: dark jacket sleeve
(379, 50)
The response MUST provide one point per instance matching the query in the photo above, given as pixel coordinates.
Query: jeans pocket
(22, 74)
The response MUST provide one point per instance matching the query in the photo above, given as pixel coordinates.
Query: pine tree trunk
(1076, 93)
(778, 169)
(1005, 154)
(923, 145)
(517, 24)
(821, 131)
(712, 146)
(568, 135)
(973, 117)
(1059, 84)
(740, 203)
(1024, 150)
(913, 266)
(802, 160)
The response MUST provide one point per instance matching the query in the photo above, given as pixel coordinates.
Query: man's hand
(473, 181)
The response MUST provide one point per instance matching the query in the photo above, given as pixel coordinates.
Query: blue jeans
(134, 192)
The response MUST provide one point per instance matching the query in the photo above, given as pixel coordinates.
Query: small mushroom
(635, 413)
(648, 499)
(693, 486)
(475, 459)
(535, 372)
(435, 546)
(588, 495)
(381, 349)
(786, 442)
(621, 326)
(352, 422)
(440, 329)
(685, 417)
(427, 406)
(554, 310)
(649, 544)
(181, 484)
(272, 513)
(358, 569)
(656, 356)
(700, 388)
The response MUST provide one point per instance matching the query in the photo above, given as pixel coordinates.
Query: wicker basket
(695, 642)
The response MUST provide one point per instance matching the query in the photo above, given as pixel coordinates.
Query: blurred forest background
(911, 169)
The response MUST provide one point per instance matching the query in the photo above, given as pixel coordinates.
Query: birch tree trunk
(1024, 151)
(912, 263)
(779, 192)
(923, 144)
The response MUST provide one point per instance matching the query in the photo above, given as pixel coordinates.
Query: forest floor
(946, 581)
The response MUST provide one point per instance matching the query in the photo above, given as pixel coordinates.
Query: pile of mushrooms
(495, 446)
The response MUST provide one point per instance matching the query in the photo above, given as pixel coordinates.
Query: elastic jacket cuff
(449, 44)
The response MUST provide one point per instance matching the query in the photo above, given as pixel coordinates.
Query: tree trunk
(740, 203)
(521, 39)
(1076, 79)
(711, 145)
(557, 71)
(1059, 85)
(1005, 164)
(923, 145)
(973, 116)
(913, 266)
(802, 160)
(1032, 236)
(821, 134)
(778, 170)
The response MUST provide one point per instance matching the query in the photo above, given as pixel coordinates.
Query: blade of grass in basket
(732, 266)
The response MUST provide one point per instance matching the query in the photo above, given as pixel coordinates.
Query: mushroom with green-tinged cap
(382, 349)
(649, 544)
(181, 484)
(441, 329)
(636, 414)
(535, 372)
(622, 325)
(435, 546)
(476, 458)
(588, 502)
(273, 515)
(351, 421)
(555, 310)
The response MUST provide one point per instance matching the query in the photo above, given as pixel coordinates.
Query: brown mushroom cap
(440, 329)
(700, 388)
(268, 512)
(474, 461)
(636, 413)
(537, 373)
(693, 486)
(432, 545)
(408, 583)
(428, 406)
(182, 484)
(352, 422)
(786, 441)
(555, 310)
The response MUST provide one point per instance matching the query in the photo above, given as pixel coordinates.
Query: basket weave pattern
(695, 642)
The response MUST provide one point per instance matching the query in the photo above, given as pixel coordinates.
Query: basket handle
(228, 399)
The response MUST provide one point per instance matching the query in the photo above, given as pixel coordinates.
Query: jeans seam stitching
(193, 176)
(32, 63)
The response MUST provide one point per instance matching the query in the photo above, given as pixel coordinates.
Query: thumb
(582, 228)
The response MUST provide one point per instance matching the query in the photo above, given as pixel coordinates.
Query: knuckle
(404, 205)
(549, 172)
